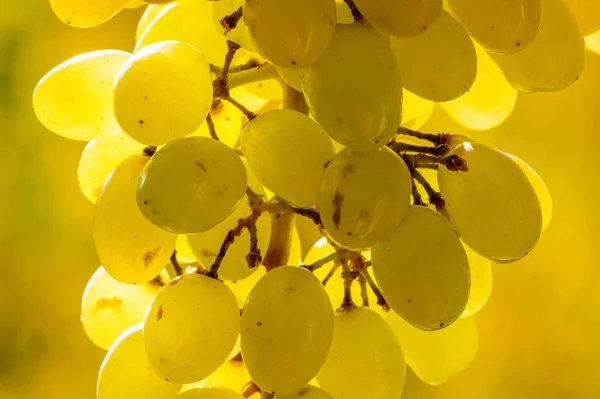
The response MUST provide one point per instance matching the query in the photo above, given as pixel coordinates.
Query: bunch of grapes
(233, 121)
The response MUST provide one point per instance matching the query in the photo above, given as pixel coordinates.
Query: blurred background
(539, 333)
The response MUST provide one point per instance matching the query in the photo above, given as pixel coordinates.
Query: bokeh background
(539, 333)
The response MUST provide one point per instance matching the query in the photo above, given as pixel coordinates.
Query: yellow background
(539, 334)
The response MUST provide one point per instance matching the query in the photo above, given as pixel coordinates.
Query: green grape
(232, 374)
(99, 158)
(190, 22)
(489, 102)
(364, 196)
(502, 26)
(150, 13)
(354, 90)
(586, 13)
(191, 328)
(292, 34)
(401, 17)
(417, 110)
(288, 152)
(287, 327)
(440, 64)
(125, 372)
(206, 245)
(228, 124)
(109, 307)
(131, 249)
(493, 206)
(191, 185)
(554, 60)
(480, 270)
(241, 288)
(365, 359)
(292, 77)
(74, 100)
(311, 392)
(163, 92)
(422, 270)
(86, 13)
(435, 356)
(210, 393)
(240, 34)
(540, 189)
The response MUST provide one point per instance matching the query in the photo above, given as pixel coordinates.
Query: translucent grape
(354, 90)
(132, 4)
(293, 34)
(311, 392)
(125, 372)
(480, 270)
(500, 25)
(364, 196)
(287, 327)
(191, 328)
(401, 17)
(191, 184)
(240, 34)
(228, 124)
(232, 374)
(489, 102)
(292, 77)
(241, 288)
(86, 13)
(540, 189)
(109, 307)
(417, 110)
(210, 393)
(343, 13)
(592, 42)
(365, 359)
(147, 18)
(99, 158)
(74, 99)
(493, 206)
(586, 13)
(288, 152)
(131, 249)
(435, 356)
(206, 245)
(440, 64)
(163, 92)
(554, 60)
(422, 270)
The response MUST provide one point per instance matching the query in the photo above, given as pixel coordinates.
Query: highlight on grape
(231, 120)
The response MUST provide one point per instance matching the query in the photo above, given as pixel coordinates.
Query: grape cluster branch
(229, 22)
(354, 10)
(435, 139)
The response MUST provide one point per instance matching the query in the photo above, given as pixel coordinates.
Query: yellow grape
(189, 22)
(540, 189)
(86, 13)
(210, 393)
(269, 89)
(440, 64)
(109, 307)
(489, 102)
(365, 359)
(191, 328)
(480, 270)
(288, 152)
(239, 34)
(401, 17)
(131, 249)
(228, 124)
(132, 4)
(147, 18)
(126, 373)
(74, 100)
(417, 110)
(292, 34)
(502, 26)
(586, 13)
(99, 158)
(206, 245)
(184, 252)
(343, 13)
(435, 356)
(292, 77)
(191, 185)
(554, 60)
(163, 92)
(364, 196)
(309, 233)
(493, 206)
(311, 392)
(354, 90)
(242, 288)
(232, 374)
(422, 270)
(286, 330)
(592, 42)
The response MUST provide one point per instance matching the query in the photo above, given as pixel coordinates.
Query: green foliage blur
(538, 333)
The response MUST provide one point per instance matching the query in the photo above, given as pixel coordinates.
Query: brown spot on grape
(441, 325)
(409, 300)
(113, 303)
(150, 257)
(159, 314)
(208, 253)
(347, 170)
(258, 323)
(200, 165)
(338, 199)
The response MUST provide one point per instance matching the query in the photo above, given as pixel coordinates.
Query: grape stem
(229, 22)
(354, 10)
(348, 276)
(434, 197)
(250, 389)
(453, 162)
(406, 147)
(363, 290)
(336, 265)
(373, 286)
(436, 139)
(175, 263)
(278, 251)
(337, 255)
(243, 77)
(417, 199)
(211, 127)
(149, 151)
(249, 114)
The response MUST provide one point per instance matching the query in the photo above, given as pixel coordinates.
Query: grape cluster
(231, 120)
